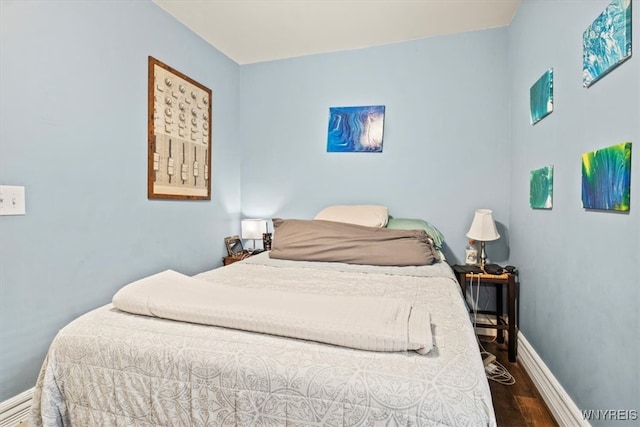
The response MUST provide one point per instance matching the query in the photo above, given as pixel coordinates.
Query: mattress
(109, 367)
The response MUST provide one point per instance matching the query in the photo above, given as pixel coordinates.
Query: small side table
(235, 258)
(510, 323)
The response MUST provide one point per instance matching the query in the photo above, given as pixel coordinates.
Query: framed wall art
(356, 129)
(606, 42)
(179, 135)
(606, 178)
(541, 97)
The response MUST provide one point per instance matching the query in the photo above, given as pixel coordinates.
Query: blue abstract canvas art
(607, 42)
(356, 129)
(606, 178)
(541, 97)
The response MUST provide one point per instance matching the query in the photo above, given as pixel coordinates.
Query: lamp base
(483, 256)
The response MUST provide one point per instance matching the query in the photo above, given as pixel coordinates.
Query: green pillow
(417, 224)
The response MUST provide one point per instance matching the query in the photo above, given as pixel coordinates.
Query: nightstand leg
(500, 314)
(513, 329)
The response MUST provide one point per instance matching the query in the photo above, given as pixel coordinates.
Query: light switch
(12, 200)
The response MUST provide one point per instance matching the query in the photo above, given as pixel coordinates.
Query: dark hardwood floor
(520, 404)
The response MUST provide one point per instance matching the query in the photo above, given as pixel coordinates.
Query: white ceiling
(249, 31)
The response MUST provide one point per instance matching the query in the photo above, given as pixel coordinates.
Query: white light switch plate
(12, 200)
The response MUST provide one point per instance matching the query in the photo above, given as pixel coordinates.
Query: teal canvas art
(541, 97)
(541, 188)
(607, 42)
(606, 178)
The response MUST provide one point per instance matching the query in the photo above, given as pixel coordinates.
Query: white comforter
(362, 322)
(114, 368)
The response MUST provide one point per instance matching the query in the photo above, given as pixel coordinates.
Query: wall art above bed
(179, 135)
(355, 129)
(606, 42)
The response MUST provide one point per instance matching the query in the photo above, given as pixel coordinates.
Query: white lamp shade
(483, 228)
(253, 228)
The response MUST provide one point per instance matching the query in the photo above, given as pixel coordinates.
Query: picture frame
(234, 245)
(179, 135)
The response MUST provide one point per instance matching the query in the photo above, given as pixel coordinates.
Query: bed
(112, 367)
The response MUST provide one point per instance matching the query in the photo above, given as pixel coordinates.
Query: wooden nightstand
(234, 258)
(509, 323)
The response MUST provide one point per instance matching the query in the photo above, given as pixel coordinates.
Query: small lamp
(483, 229)
(252, 229)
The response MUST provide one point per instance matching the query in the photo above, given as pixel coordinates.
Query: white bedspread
(362, 322)
(109, 367)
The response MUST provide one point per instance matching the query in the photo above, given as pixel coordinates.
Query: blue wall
(579, 269)
(74, 133)
(446, 145)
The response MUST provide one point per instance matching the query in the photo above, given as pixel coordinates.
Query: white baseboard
(560, 404)
(16, 409)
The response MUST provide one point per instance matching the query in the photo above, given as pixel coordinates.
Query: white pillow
(367, 215)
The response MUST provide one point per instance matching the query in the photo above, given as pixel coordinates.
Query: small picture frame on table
(234, 245)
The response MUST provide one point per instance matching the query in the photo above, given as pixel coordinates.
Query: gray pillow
(318, 240)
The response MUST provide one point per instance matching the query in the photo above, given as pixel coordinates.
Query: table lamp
(483, 229)
(252, 229)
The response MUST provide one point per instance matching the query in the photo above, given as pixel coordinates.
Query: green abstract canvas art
(541, 188)
(541, 97)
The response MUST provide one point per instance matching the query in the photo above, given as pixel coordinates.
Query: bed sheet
(113, 368)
